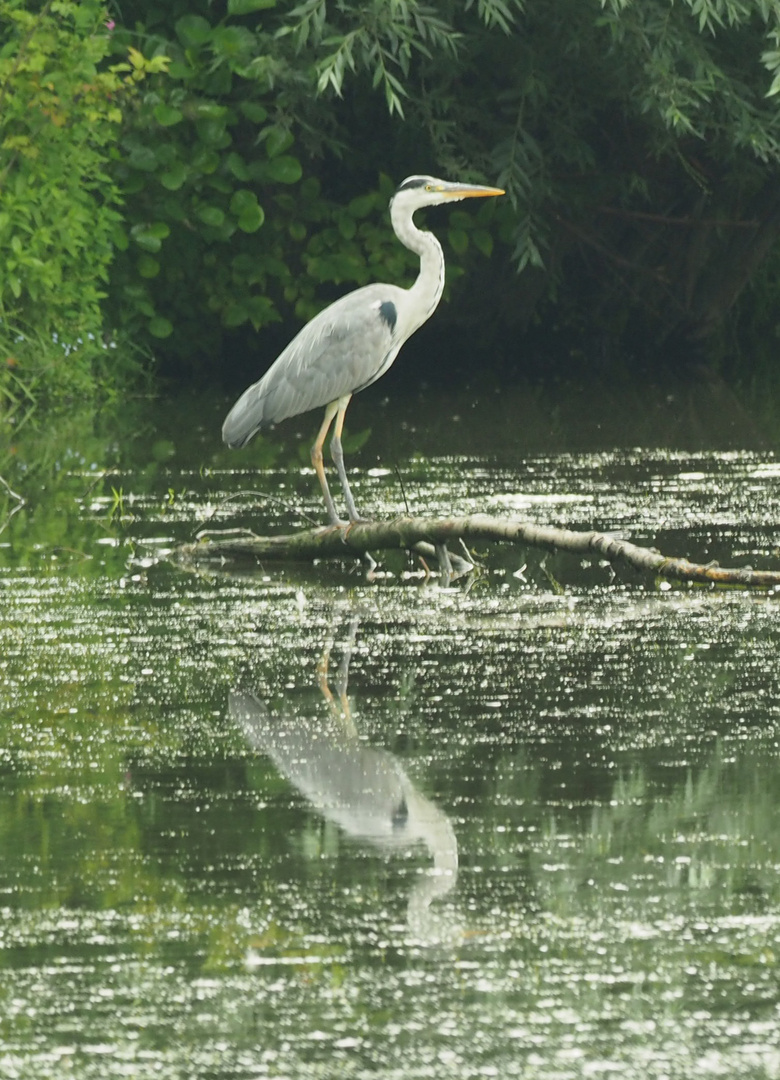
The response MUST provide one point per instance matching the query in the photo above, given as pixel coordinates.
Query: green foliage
(38, 367)
(624, 132)
(382, 38)
(60, 116)
(201, 158)
(232, 218)
(231, 180)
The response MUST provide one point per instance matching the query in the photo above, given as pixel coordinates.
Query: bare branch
(404, 533)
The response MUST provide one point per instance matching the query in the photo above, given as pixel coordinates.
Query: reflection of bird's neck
(435, 829)
(426, 292)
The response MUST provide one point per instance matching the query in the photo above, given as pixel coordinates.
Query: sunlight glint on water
(544, 840)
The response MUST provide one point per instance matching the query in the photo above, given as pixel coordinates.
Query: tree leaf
(245, 207)
(235, 314)
(284, 169)
(277, 140)
(167, 116)
(362, 205)
(347, 226)
(459, 240)
(193, 30)
(120, 238)
(147, 266)
(174, 177)
(142, 158)
(145, 238)
(237, 166)
(253, 111)
(205, 160)
(246, 7)
(242, 201)
(159, 327)
(211, 132)
(234, 42)
(251, 221)
(211, 215)
(483, 241)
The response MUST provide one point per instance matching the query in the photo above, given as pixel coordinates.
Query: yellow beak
(469, 191)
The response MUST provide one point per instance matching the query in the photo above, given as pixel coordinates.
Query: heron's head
(417, 191)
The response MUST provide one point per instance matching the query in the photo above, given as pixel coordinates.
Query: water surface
(287, 821)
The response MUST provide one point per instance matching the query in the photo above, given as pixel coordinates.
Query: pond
(296, 822)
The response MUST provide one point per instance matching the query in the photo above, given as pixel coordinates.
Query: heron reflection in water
(362, 789)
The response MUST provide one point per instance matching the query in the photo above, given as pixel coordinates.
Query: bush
(60, 117)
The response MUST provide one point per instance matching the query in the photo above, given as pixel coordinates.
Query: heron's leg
(342, 716)
(319, 468)
(337, 454)
(342, 678)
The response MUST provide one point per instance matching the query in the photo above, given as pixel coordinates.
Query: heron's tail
(244, 419)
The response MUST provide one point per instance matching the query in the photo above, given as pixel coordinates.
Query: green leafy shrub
(60, 116)
(232, 216)
(202, 166)
(638, 141)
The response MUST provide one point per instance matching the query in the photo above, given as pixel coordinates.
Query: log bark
(434, 534)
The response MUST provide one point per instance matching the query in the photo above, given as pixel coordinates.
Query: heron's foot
(451, 566)
(358, 519)
(340, 523)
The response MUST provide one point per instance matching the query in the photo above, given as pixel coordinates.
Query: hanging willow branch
(432, 535)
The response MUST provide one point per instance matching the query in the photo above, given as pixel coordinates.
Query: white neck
(426, 292)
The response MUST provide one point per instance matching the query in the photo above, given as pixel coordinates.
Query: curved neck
(426, 292)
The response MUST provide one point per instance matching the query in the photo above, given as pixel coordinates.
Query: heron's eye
(429, 187)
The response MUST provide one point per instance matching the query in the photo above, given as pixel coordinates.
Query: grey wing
(340, 351)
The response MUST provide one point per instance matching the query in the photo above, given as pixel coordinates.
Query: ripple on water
(174, 900)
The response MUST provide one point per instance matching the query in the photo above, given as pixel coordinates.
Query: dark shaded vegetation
(199, 179)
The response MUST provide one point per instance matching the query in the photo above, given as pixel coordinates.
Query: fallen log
(432, 535)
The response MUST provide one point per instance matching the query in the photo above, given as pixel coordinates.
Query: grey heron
(351, 343)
